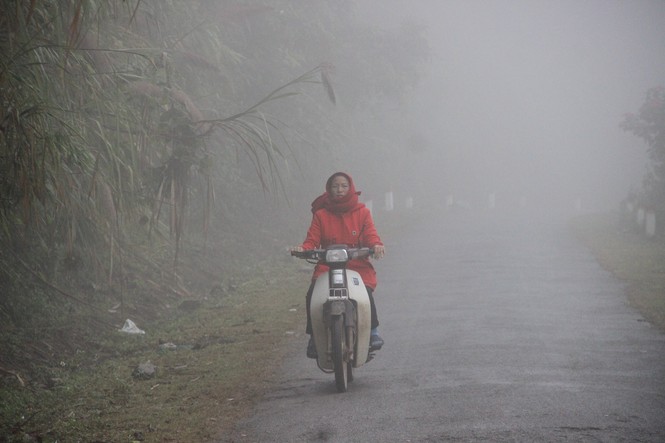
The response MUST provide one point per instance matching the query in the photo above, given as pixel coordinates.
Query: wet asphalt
(497, 328)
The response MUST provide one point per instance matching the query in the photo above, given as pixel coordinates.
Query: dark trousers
(308, 302)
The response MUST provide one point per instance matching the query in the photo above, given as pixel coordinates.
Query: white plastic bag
(131, 328)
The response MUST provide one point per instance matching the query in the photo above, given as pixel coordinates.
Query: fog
(523, 99)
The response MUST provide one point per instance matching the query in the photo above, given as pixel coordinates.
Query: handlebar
(310, 254)
(320, 254)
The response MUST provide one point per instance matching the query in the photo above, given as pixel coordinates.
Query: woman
(339, 218)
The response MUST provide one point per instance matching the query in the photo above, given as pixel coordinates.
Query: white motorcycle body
(357, 293)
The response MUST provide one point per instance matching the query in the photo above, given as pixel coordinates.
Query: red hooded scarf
(337, 206)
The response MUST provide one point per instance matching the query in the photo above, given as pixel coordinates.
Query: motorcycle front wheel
(350, 343)
(338, 350)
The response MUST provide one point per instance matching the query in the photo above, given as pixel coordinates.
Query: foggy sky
(524, 98)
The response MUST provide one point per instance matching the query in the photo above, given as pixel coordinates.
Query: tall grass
(100, 127)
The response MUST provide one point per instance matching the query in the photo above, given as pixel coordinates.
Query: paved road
(496, 330)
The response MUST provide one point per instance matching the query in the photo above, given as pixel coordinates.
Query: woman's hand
(379, 251)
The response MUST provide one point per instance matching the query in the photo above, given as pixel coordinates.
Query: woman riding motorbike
(339, 218)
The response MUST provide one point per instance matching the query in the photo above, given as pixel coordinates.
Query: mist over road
(496, 328)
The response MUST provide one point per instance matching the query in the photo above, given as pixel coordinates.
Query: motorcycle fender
(358, 294)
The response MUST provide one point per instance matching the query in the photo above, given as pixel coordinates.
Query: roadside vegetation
(212, 359)
(629, 255)
(632, 253)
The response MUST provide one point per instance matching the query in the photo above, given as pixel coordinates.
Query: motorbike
(340, 313)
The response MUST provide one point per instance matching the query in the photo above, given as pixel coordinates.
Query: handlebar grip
(299, 254)
(306, 254)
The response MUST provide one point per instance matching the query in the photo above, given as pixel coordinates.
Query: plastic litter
(131, 328)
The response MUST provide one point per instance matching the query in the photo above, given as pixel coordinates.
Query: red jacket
(354, 228)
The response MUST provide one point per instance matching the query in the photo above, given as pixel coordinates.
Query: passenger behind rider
(339, 218)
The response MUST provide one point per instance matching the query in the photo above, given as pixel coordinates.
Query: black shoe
(375, 342)
(311, 348)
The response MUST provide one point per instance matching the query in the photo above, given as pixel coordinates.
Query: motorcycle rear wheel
(338, 342)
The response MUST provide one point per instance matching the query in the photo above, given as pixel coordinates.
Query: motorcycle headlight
(337, 256)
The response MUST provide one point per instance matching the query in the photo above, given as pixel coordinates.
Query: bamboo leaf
(74, 26)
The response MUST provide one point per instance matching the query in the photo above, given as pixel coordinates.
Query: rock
(168, 346)
(144, 371)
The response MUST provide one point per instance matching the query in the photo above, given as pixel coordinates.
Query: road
(496, 329)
